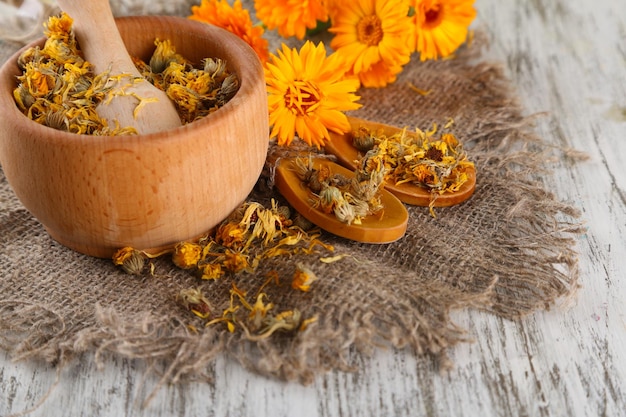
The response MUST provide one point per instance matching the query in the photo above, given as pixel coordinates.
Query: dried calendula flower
(59, 27)
(236, 261)
(258, 312)
(164, 55)
(131, 260)
(195, 92)
(229, 87)
(59, 89)
(302, 222)
(314, 179)
(251, 234)
(186, 255)
(363, 139)
(215, 67)
(255, 318)
(350, 200)
(329, 198)
(40, 81)
(419, 158)
(286, 321)
(262, 223)
(194, 301)
(231, 235)
(210, 271)
(229, 314)
(303, 277)
(345, 213)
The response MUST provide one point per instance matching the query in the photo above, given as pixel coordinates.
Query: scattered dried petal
(194, 301)
(186, 255)
(303, 277)
(131, 260)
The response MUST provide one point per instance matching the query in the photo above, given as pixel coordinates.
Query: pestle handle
(103, 47)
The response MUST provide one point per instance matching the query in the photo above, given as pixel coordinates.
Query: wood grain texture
(80, 171)
(567, 58)
(375, 228)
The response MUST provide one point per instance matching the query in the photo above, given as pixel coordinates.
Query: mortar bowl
(96, 194)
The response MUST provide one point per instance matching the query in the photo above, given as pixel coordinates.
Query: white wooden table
(565, 57)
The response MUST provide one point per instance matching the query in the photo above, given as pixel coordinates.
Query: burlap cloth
(508, 250)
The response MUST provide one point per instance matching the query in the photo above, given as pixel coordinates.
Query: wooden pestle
(102, 46)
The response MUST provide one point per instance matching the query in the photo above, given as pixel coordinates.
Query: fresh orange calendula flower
(441, 26)
(307, 94)
(372, 37)
(291, 17)
(235, 19)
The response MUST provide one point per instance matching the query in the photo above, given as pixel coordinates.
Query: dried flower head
(187, 255)
(131, 260)
(303, 277)
(195, 92)
(236, 261)
(329, 197)
(349, 199)
(251, 234)
(363, 139)
(345, 213)
(215, 67)
(164, 55)
(228, 89)
(438, 164)
(210, 271)
(59, 89)
(258, 312)
(286, 321)
(59, 27)
(194, 301)
(231, 235)
(313, 178)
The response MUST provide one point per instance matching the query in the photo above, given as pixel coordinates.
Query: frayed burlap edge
(505, 149)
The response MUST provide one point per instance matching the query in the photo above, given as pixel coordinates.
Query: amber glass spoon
(347, 155)
(386, 226)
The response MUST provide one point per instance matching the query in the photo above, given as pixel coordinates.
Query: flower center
(302, 97)
(369, 30)
(434, 154)
(433, 15)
